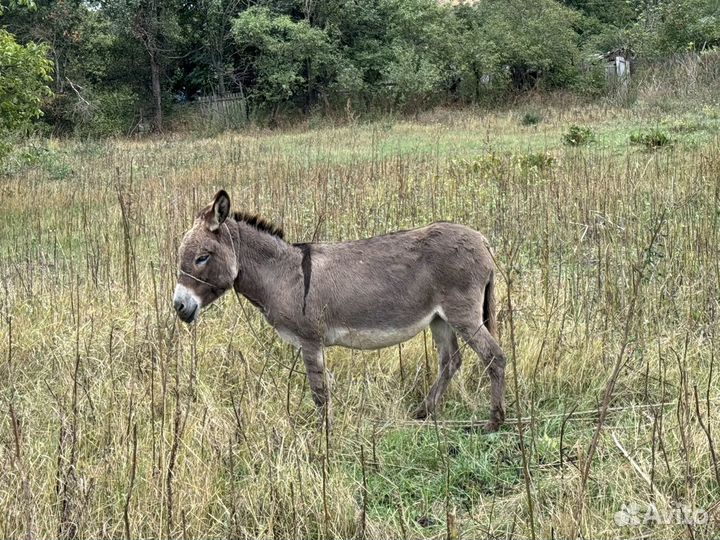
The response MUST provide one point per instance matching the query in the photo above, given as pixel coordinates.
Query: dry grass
(119, 421)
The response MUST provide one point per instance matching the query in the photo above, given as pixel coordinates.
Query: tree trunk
(309, 87)
(221, 81)
(58, 77)
(156, 91)
(478, 77)
(217, 63)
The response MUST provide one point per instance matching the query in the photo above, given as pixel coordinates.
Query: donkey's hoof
(497, 419)
(421, 413)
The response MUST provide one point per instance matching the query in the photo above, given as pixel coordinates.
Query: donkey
(362, 294)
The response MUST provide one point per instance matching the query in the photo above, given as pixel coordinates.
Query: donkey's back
(380, 291)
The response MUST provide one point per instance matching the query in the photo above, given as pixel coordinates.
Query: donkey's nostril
(186, 304)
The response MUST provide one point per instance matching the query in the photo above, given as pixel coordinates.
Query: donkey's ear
(219, 211)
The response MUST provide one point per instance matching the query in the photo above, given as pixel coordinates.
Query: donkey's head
(207, 258)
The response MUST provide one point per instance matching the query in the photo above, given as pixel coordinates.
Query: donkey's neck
(269, 270)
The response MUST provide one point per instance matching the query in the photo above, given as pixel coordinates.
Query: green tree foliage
(666, 27)
(154, 24)
(535, 40)
(117, 63)
(209, 34)
(16, 4)
(394, 52)
(515, 45)
(292, 60)
(95, 67)
(618, 13)
(421, 61)
(57, 25)
(24, 77)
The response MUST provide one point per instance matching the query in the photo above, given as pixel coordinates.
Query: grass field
(118, 420)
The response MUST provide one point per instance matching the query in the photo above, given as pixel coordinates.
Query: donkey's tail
(489, 308)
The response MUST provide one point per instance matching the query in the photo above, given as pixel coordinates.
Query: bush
(106, 113)
(58, 116)
(35, 154)
(651, 139)
(93, 114)
(593, 81)
(412, 79)
(578, 135)
(531, 119)
(534, 161)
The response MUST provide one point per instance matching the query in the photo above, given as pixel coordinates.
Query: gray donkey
(362, 294)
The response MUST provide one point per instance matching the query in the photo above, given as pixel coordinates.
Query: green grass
(612, 253)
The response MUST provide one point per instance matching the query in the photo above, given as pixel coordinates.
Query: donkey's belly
(377, 338)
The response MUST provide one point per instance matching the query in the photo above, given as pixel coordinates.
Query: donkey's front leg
(320, 381)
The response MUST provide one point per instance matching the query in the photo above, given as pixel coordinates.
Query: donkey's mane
(259, 223)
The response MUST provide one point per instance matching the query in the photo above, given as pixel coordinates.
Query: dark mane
(259, 223)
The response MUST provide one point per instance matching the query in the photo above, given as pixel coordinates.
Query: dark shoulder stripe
(306, 266)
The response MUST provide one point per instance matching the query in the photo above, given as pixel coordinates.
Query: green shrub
(534, 161)
(488, 165)
(578, 135)
(651, 139)
(531, 119)
(35, 154)
(593, 81)
(5, 149)
(59, 114)
(106, 113)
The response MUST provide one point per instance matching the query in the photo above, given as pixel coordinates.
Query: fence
(227, 110)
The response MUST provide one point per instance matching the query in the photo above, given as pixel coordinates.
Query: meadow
(120, 421)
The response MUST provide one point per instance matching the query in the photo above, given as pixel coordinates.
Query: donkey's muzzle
(186, 313)
(186, 303)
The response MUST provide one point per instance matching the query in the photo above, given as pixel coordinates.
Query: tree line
(94, 68)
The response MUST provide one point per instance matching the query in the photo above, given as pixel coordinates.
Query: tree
(154, 24)
(214, 36)
(422, 62)
(666, 27)
(24, 76)
(522, 43)
(209, 60)
(618, 13)
(390, 52)
(99, 72)
(54, 23)
(292, 60)
(114, 58)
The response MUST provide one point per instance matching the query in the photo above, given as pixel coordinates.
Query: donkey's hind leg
(489, 351)
(320, 381)
(450, 361)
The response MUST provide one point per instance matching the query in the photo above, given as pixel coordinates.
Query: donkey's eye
(202, 259)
